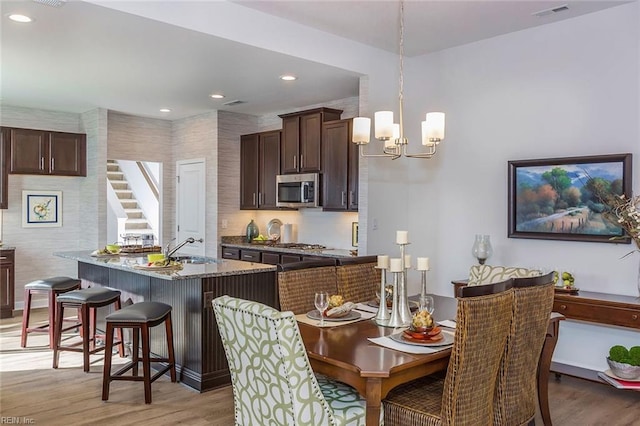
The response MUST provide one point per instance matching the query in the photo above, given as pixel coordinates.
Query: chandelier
(392, 134)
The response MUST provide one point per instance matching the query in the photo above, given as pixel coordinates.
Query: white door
(190, 205)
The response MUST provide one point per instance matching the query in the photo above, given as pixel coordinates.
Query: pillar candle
(402, 237)
(395, 264)
(423, 264)
(407, 261)
(383, 262)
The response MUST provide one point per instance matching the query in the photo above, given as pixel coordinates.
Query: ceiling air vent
(551, 11)
(54, 3)
(234, 103)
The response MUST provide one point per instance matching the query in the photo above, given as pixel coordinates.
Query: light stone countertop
(131, 263)
(327, 252)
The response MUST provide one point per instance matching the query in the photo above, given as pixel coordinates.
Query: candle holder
(383, 315)
(403, 297)
(426, 301)
(395, 320)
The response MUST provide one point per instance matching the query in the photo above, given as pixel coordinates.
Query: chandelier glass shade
(392, 134)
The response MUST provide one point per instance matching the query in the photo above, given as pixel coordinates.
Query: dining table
(345, 353)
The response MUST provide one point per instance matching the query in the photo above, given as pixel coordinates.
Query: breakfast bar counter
(199, 353)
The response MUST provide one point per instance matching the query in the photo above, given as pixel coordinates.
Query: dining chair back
(299, 281)
(516, 396)
(466, 394)
(358, 278)
(488, 274)
(272, 380)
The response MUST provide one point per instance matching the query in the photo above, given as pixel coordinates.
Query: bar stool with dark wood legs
(52, 287)
(139, 317)
(87, 301)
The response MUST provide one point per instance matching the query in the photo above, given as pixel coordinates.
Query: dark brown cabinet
(270, 258)
(230, 253)
(250, 256)
(259, 166)
(47, 153)
(301, 148)
(340, 158)
(7, 283)
(4, 168)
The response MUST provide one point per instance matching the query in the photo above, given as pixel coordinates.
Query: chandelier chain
(401, 82)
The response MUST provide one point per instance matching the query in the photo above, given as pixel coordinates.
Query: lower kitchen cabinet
(7, 283)
(270, 258)
(290, 258)
(230, 253)
(250, 256)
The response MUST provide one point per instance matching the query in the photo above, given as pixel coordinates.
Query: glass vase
(252, 231)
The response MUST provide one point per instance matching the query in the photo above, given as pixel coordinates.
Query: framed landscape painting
(561, 198)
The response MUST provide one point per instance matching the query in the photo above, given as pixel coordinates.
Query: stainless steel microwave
(299, 190)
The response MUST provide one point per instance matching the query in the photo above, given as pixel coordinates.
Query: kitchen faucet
(168, 253)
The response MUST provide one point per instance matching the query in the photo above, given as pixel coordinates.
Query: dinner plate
(352, 315)
(447, 339)
(610, 374)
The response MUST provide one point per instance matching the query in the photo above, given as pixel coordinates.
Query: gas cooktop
(300, 246)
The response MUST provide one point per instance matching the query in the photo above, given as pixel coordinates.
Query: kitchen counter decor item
(252, 231)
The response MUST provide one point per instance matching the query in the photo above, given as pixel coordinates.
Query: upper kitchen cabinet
(47, 153)
(301, 148)
(259, 166)
(340, 159)
(4, 168)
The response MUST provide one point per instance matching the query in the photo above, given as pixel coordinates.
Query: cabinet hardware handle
(3, 257)
(248, 256)
(342, 194)
(301, 161)
(53, 164)
(260, 198)
(563, 307)
(634, 317)
(254, 199)
(295, 162)
(41, 163)
(351, 198)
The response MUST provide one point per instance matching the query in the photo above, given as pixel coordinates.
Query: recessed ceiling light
(20, 18)
(288, 77)
(165, 110)
(217, 96)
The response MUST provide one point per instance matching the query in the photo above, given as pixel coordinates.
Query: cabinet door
(4, 168)
(28, 151)
(250, 256)
(270, 258)
(310, 143)
(353, 176)
(290, 258)
(335, 148)
(290, 145)
(68, 154)
(269, 169)
(230, 253)
(249, 171)
(7, 283)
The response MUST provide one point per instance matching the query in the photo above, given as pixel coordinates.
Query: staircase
(136, 223)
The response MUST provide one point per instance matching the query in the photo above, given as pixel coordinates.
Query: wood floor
(33, 392)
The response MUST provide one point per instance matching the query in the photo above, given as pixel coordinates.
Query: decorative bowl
(154, 257)
(113, 248)
(624, 371)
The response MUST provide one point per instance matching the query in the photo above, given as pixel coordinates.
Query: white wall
(564, 89)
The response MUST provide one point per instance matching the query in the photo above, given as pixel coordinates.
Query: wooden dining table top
(344, 353)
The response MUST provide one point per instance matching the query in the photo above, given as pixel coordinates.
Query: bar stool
(87, 301)
(52, 287)
(139, 317)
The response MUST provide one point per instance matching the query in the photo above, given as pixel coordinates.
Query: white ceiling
(80, 56)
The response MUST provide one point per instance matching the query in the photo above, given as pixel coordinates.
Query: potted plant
(624, 363)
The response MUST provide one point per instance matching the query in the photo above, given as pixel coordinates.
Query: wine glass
(321, 301)
(427, 304)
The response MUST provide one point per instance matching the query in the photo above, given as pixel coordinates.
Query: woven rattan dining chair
(516, 396)
(465, 396)
(272, 380)
(358, 278)
(299, 281)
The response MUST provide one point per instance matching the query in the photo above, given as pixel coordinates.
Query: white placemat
(448, 323)
(363, 307)
(305, 319)
(410, 349)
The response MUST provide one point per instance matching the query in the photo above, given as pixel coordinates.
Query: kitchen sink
(194, 259)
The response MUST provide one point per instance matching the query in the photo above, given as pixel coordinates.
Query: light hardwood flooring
(35, 393)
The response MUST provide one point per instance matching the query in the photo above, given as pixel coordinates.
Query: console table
(600, 308)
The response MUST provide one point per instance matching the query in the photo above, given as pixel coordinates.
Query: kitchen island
(200, 357)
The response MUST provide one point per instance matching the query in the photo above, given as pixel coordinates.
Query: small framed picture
(41, 209)
(354, 234)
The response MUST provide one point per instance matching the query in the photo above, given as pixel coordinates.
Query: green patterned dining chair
(516, 396)
(488, 274)
(272, 380)
(465, 394)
